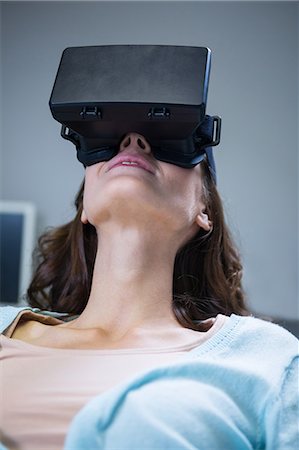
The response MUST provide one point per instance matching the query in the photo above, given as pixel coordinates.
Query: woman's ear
(202, 220)
(84, 217)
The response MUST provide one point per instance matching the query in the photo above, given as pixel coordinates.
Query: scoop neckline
(220, 322)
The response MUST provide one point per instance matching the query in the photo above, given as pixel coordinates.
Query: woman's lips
(132, 162)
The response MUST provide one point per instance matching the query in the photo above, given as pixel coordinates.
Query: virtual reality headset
(101, 93)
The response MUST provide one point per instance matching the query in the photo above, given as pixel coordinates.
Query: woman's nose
(135, 141)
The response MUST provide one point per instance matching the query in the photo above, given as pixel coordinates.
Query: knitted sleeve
(281, 419)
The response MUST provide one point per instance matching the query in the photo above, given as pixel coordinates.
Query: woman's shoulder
(10, 317)
(255, 331)
(266, 328)
(249, 339)
(9, 313)
(260, 338)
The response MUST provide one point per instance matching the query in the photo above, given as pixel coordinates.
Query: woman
(158, 349)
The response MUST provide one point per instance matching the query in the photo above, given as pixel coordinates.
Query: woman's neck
(132, 282)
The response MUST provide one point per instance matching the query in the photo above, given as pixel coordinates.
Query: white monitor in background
(17, 241)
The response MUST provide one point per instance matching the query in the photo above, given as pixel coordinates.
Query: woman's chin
(129, 190)
(124, 205)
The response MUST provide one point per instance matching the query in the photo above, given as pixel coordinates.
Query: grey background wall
(253, 86)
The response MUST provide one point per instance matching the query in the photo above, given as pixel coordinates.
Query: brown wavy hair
(206, 278)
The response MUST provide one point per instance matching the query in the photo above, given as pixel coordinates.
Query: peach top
(43, 388)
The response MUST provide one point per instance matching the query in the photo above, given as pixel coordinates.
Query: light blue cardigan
(237, 391)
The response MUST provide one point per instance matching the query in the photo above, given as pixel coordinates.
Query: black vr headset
(101, 93)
